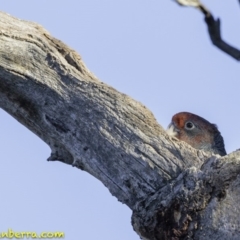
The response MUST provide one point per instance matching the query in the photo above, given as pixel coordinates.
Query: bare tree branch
(45, 85)
(175, 191)
(213, 28)
(195, 205)
(215, 35)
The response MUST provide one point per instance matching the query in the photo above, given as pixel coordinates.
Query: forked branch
(214, 29)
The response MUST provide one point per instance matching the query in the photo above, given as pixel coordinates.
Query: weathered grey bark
(175, 191)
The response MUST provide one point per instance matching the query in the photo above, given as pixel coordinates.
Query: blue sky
(154, 51)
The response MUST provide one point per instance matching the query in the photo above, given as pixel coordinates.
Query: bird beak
(172, 130)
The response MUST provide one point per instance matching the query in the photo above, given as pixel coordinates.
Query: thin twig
(213, 28)
(215, 34)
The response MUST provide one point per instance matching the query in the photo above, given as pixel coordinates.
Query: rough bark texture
(175, 191)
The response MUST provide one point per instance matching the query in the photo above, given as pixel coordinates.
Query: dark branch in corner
(215, 34)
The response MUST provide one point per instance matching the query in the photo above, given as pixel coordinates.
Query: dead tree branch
(46, 86)
(214, 29)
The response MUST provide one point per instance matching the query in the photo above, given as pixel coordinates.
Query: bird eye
(189, 125)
